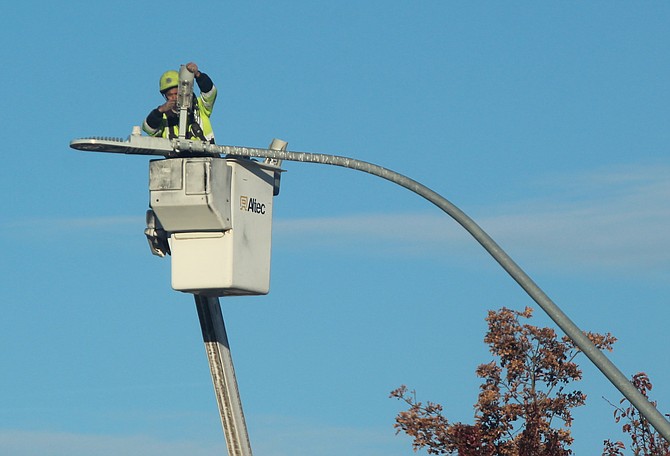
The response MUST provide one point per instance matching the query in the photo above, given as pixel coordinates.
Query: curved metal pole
(598, 358)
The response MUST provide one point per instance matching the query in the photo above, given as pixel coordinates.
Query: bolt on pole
(223, 375)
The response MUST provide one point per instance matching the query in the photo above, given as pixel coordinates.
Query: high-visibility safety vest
(199, 125)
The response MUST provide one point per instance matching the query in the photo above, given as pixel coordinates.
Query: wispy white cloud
(273, 436)
(286, 436)
(604, 219)
(610, 218)
(74, 223)
(37, 443)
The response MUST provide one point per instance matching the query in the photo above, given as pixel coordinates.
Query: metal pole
(223, 375)
(597, 357)
(140, 145)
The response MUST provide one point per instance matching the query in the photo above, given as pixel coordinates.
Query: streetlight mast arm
(613, 374)
(177, 147)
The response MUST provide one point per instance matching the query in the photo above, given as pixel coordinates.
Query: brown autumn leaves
(525, 399)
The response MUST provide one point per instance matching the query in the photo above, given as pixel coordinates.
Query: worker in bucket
(164, 120)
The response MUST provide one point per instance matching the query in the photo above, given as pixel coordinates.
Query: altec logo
(251, 205)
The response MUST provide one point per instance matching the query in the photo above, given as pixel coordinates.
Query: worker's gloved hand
(168, 107)
(193, 68)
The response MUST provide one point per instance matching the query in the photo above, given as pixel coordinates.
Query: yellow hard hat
(169, 79)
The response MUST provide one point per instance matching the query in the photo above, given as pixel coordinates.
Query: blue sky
(547, 123)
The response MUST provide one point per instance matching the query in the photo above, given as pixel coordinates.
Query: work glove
(168, 107)
(193, 68)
